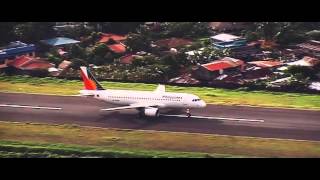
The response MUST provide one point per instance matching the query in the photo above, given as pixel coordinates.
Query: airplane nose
(203, 104)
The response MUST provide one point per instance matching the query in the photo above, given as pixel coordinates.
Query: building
(59, 41)
(107, 38)
(15, 49)
(127, 59)
(118, 48)
(305, 61)
(261, 69)
(30, 65)
(271, 63)
(185, 79)
(310, 48)
(172, 43)
(223, 41)
(226, 65)
(62, 68)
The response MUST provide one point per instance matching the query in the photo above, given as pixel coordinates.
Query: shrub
(301, 72)
(76, 63)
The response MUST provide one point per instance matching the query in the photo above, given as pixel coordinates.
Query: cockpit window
(195, 100)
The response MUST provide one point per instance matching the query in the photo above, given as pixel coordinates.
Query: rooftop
(311, 45)
(29, 63)
(59, 41)
(117, 48)
(224, 63)
(267, 63)
(306, 61)
(173, 42)
(106, 37)
(127, 59)
(225, 37)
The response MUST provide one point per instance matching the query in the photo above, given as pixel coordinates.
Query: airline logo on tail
(90, 83)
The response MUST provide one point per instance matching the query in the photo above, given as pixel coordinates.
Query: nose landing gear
(188, 113)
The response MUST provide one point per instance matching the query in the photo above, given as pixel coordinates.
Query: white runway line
(30, 107)
(216, 118)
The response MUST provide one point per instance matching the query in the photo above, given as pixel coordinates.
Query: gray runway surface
(256, 122)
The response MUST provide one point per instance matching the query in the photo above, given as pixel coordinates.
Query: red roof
(127, 59)
(310, 45)
(106, 37)
(266, 64)
(117, 48)
(29, 63)
(224, 63)
(173, 42)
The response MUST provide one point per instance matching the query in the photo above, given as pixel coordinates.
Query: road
(214, 119)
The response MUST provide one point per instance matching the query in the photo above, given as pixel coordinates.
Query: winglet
(160, 89)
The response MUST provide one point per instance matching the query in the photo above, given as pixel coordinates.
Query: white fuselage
(161, 99)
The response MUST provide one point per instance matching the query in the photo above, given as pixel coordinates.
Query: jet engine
(151, 112)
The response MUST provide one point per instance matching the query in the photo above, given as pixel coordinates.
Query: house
(127, 59)
(30, 65)
(224, 40)
(62, 68)
(226, 65)
(107, 38)
(310, 48)
(260, 69)
(186, 79)
(172, 43)
(59, 41)
(266, 63)
(246, 52)
(118, 48)
(15, 49)
(305, 61)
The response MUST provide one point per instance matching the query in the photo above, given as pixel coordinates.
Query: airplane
(147, 103)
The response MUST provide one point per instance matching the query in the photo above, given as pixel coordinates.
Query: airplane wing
(132, 106)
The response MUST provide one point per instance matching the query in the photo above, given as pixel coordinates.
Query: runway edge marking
(158, 131)
(29, 107)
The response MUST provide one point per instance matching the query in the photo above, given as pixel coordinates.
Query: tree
(143, 61)
(138, 42)
(100, 50)
(314, 34)
(267, 30)
(301, 72)
(34, 31)
(75, 32)
(116, 27)
(282, 32)
(76, 51)
(6, 32)
(186, 29)
(76, 63)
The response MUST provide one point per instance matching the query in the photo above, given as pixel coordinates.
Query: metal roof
(59, 41)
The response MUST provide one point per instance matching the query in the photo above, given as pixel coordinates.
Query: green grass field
(16, 149)
(43, 140)
(25, 84)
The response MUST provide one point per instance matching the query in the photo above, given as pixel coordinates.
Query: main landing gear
(188, 113)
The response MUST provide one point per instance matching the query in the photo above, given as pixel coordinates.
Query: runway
(214, 119)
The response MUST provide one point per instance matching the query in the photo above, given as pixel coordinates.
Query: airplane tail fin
(90, 83)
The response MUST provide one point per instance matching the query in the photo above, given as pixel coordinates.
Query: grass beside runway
(18, 140)
(16, 149)
(25, 84)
